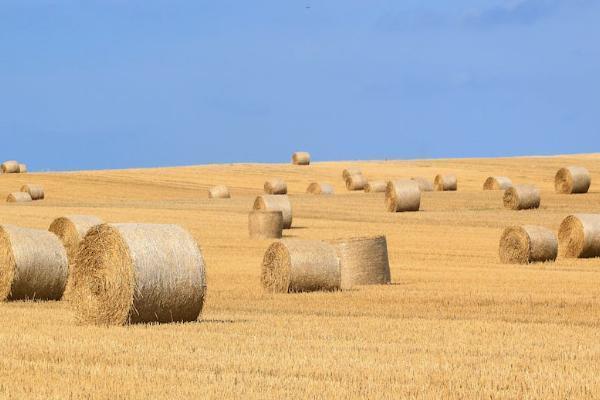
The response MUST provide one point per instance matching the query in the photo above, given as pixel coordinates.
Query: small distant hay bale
(301, 158)
(22, 168)
(10, 167)
(363, 261)
(294, 265)
(320, 188)
(402, 195)
(19, 197)
(275, 203)
(265, 224)
(443, 183)
(497, 183)
(521, 197)
(138, 273)
(425, 184)
(71, 230)
(35, 191)
(275, 186)
(572, 180)
(356, 182)
(528, 244)
(375, 186)
(348, 172)
(219, 192)
(579, 236)
(33, 264)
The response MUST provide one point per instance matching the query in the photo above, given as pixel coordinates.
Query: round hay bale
(19, 197)
(35, 191)
(497, 183)
(296, 265)
(71, 230)
(33, 264)
(320, 188)
(10, 167)
(348, 172)
(572, 180)
(301, 158)
(275, 186)
(356, 182)
(265, 224)
(219, 192)
(579, 236)
(425, 184)
(375, 186)
(275, 203)
(521, 197)
(22, 168)
(527, 244)
(445, 183)
(136, 273)
(402, 195)
(363, 261)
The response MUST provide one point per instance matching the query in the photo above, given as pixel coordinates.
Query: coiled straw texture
(268, 202)
(375, 186)
(572, 180)
(402, 195)
(521, 197)
(445, 183)
(10, 167)
(19, 197)
(35, 191)
(579, 236)
(497, 183)
(275, 186)
(320, 188)
(356, 182)
(528, 244)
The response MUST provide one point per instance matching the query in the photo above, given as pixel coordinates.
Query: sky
(127, 83)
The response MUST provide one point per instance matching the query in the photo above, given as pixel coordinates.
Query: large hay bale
(301, 158)
(275, 203)
(425, 184)
(135, 273)
(402, 195)
(219, 192)
(275, 186)
(320, 188)
(265, 224)
(375, 186)
(19, 197)
(348, 172)
(579, 236)
(497, 183)
(527, 244)
(35, 191)
(572, 180)
(294, 265)
(71, 230)
(356, 182)
(22, 168)
(10, 167)
(445, 183)
(521, 197)
(33, 264)
(363, 261)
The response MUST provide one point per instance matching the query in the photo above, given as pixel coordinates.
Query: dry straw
(320, 188)
(402, 195)
(348, 172)
(363, 260)
(265, 224)
(521, 197)
(276, 203)
(572, 180)
(375, 186)
(22, 168)
(301, 158)
(219, 192)
(528, 244)
(275, 186)
(33, 264)
(18, 197)
(71, 230)
(35, 191)
(356, 182)
(445, 183)
(10, 167)
(579, 236)
(425, 184)
(136, 273)
(294, 265)
(497, 183)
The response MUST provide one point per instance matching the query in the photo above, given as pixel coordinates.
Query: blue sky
(118, 83)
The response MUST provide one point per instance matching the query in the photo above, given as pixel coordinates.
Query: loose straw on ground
(18, 197)
(527, 244)
(445, 183)
(265, 224)
(356, 182)
(320, 188)
(35, 191)
(521, 197)
(375, 186)
(275, 186)
(579, 236)
(137, 273)
(301, 158)
(275, 203)
(219, 192)
(572, 180)
(425, 184)
(497, 183)
(402, 195)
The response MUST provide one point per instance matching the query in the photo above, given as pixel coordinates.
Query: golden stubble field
(455, 323)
